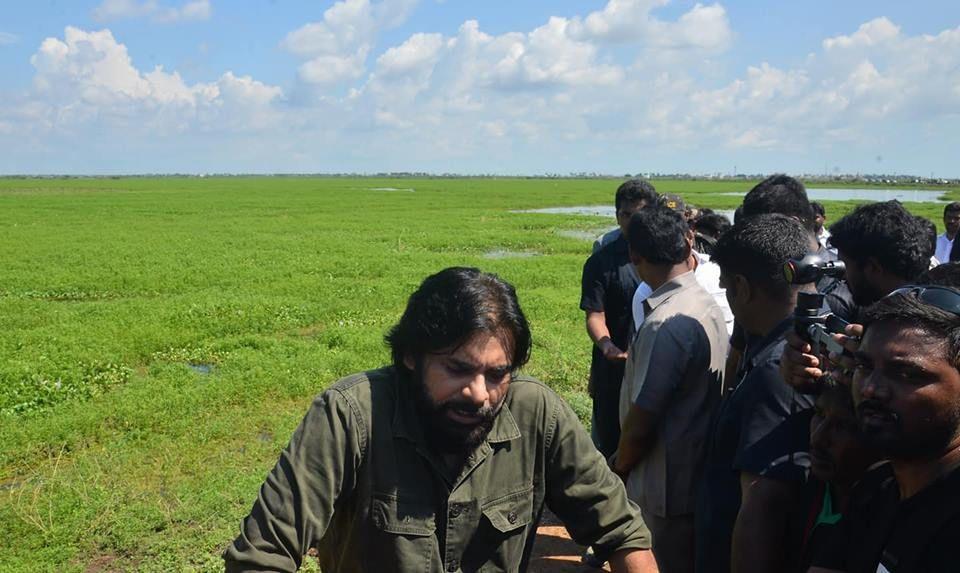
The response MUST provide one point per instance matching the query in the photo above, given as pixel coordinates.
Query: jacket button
(512, 517)
(455, 510)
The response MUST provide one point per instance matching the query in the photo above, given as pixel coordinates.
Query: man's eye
(497, 376)
(458, 369)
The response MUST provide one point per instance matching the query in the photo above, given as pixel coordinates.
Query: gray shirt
(675, 370)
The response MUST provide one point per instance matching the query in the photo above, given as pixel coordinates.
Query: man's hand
(845, 362)
(633, 561)
(799, 367)
(600, 335)
(611, 351)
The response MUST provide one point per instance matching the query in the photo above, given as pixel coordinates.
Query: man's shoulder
(364, 390)
(693, 302)
(531, 401)
(614, 252)
(526, 387)
(764, 378)
(606, 238)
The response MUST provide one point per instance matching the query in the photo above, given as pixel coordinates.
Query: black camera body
(815, 325)
(811, 269)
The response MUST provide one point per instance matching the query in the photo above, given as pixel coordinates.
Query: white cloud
(419, 52)
(569, 92)
(630, 21)
(193, 10)
(872, 33)
(7, 39)
(89, 77)
(336, 48)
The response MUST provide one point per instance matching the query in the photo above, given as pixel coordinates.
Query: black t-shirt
(608, 283)
(883, 534)
(762, 427)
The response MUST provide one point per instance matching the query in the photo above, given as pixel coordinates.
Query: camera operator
(883, 247)
(906, 390)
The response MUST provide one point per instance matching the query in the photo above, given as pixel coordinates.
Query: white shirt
(822, 237)
(944, 245)
(707, 274)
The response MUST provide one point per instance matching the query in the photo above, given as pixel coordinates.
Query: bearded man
(442, 461)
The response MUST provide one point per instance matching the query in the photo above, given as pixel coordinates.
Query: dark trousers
(605, 423)
(673, 541)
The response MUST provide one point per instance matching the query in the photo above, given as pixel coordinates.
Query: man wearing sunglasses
(906, 389)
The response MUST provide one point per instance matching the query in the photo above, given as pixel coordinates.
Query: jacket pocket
(402, 536)
(511, 511)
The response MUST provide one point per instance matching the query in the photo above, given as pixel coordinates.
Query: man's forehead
(480, 348)
(889, 340)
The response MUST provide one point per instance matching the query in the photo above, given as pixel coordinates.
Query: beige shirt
(675, 369)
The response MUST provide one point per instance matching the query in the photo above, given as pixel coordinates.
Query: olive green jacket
(359, 484)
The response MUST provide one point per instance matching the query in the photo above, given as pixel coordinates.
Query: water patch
(406, 189)
(508, 254)
(728, 213)
(581, 235)
(11, 485)
(853, 194)
(201, 368)
(608, 211)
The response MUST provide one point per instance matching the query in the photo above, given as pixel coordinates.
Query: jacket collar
(671, 288)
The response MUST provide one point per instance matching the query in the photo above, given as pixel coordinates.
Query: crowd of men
(725, 436)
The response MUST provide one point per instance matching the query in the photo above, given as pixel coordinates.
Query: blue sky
(615, 86)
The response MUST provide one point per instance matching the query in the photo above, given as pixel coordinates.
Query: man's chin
(449, 437)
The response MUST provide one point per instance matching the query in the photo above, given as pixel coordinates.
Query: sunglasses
(944, 298)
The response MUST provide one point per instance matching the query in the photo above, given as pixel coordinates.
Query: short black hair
(780, 194)
(450, 307)
(908, 309)
(659, 235)
(712, 225)
(707, 229)
(951, 208)
(757, 248)
(901, 242)
(818, 209)
(633, 190)
(947, 274)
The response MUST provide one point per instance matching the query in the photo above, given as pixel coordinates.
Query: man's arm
(759, 536)
(633, 561)
(585, 494)
(296, 501)
(637, 435)
(593, 293)
(600, 335)
(662, 358)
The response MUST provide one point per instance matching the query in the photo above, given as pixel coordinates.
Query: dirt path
(554, 551)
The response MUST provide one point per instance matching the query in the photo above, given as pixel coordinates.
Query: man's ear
(409, 362)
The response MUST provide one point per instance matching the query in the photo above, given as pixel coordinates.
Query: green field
(161, 338)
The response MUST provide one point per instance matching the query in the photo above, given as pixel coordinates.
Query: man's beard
(443, 434)
(865, 295)
(889, 437)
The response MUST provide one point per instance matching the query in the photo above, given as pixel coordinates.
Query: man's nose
(871, 386)
(476, 390)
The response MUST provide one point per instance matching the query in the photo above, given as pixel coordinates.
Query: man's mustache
(875, 408)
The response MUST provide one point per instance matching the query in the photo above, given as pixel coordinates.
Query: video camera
(810, 321)
(811, 269)
(815, 325)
